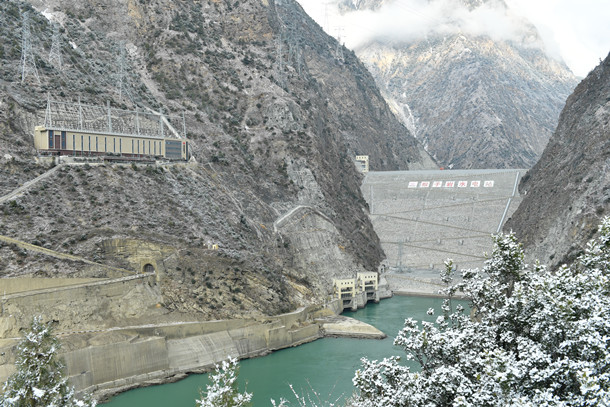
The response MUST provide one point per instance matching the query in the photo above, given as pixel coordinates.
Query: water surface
(325, 367)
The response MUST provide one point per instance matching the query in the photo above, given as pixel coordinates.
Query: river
(322, 369)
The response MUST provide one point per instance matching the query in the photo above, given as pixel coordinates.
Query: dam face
(425, 217)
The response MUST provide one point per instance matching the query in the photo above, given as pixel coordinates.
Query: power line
(28, 65)
(2, 24)
(122, 77)
(55, 53)
(280, 60)
(339, 47)
(122, 70)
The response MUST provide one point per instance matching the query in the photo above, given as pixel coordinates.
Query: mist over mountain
(473, 81)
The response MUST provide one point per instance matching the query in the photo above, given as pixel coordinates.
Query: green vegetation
(222, 391)
(39, 379)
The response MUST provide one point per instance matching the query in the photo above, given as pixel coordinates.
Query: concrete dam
(425, 217)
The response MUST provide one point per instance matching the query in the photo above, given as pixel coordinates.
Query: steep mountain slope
(474, 100)
(275, 120)
(568, 190)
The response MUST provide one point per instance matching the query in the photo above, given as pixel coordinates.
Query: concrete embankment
(418, 285)
(104, 360)
(114, 360)
(427, 286)
(136, 356)
(340, 326)
(109, 361)
(156, 354)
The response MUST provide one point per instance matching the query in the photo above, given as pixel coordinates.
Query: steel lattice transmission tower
(339, 48)
(55, 53)
(2, 24)
(280, 60)
(28, 65)
(122, 74)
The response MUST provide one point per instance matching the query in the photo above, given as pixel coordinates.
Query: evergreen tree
(222, 391)
(39, 379)
(533, 338)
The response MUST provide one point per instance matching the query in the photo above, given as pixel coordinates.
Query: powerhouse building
(82, 130)
(80, 143)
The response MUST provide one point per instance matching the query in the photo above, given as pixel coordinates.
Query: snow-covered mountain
(469, 78)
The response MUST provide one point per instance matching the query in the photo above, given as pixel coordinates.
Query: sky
(577, 31)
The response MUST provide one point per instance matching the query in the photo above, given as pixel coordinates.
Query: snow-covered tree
(532, 338)
(222, 391)
(309, 398)
(39, 379)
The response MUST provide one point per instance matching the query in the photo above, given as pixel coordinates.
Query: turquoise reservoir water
(325, 366)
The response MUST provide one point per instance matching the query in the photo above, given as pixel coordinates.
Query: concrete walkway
(28, 184)
(58, 255)
(279, 222)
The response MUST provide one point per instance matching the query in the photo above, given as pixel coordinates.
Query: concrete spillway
(425, 217)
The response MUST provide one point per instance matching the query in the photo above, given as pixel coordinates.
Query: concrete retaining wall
(106, 363)
(409, 284)
(119, 359)
(189, 347)
(80, 307)
(18, 285)
(335, 306)
(414, 284)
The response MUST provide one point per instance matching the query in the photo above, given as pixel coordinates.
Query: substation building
(74, 129)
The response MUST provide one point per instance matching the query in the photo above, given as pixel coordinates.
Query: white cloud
(405, 20)
(579, 32)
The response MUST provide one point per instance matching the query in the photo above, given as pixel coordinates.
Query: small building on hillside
(362, 163)
(73, 129)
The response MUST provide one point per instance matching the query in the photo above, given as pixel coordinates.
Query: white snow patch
(48, 15)
(132, 49)
(38, 393)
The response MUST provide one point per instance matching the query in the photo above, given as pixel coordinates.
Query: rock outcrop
(274, 118)
(568, 190)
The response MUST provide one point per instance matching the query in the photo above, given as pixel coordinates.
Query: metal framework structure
(70, 116)
(280, 60)
(294, 46)
(55, 53)
(122, 74)
(339, 47)
(28, 65)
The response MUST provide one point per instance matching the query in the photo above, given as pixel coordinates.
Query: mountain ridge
(567, 190)
(274, 119)
(474, 101)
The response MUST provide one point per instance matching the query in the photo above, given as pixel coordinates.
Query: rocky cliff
(275, 120)
(567, 191)
(475, 100)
